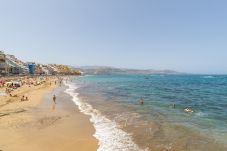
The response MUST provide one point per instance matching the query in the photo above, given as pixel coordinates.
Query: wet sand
(40, 125)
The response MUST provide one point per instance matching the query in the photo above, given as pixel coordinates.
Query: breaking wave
(110, 137)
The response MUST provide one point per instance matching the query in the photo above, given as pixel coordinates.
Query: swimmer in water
(174, 105)
(188, 110)
(141, 101)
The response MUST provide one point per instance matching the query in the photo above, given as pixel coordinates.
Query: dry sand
(40, 125)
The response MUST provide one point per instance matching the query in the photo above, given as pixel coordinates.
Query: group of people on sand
(10, 87)
(12, 83)
(23, 98)
(58, 81)
(187, 110)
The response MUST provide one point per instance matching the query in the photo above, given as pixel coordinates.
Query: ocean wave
(208, 77)
(201, 114)
(110, 137)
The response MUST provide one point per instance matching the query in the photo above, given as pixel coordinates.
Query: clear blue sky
(182, 35)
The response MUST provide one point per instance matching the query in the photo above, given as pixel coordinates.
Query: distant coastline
(99, 70)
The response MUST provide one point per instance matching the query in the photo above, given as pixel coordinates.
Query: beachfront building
(15, 66)
(31, 67)
(10, 65)
(52, 69)
(45, 70)
(40, 70)
(3, 64)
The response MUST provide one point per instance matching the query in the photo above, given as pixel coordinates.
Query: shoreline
(38, 124)
(110, 136)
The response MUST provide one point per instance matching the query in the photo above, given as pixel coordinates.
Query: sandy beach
(39, 124)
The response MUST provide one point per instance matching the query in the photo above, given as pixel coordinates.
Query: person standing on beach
(54, 99)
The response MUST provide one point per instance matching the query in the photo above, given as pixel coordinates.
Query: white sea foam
(201, 114)
(208, 77)
(110, 137)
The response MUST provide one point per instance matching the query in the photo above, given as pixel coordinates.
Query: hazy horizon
(184, 36)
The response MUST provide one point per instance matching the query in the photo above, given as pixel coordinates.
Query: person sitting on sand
(54, 99)
(15, 95)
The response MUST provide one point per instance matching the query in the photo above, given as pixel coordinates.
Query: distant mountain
(99, 70)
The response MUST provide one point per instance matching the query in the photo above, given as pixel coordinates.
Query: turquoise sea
(157, 125)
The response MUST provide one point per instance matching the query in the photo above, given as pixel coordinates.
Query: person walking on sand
(54, 99)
